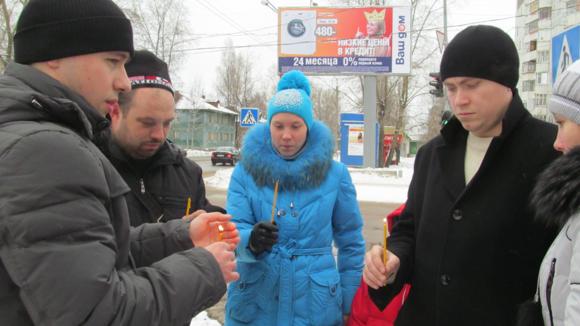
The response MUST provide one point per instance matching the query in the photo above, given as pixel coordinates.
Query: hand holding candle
(208, 228)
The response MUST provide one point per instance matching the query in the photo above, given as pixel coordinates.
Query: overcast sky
(253, 27)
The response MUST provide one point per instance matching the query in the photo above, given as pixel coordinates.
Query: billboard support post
(370, 119)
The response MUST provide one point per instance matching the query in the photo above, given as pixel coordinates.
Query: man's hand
(375, 273)
(193, 215)
(226, 259)
(204, 230)
(263, 236)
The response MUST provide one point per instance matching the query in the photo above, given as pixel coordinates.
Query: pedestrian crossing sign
(565, 50)
(248, 117)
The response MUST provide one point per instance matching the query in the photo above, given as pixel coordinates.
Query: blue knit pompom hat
(292, 96)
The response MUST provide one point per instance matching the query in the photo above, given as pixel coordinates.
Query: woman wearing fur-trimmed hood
(556, 199)
(290, 201)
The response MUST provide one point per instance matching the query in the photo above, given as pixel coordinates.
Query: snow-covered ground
(373, 185)
(203, 320)
(197, 153)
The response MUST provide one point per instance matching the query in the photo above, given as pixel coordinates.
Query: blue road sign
(565, 50)
(248, 117)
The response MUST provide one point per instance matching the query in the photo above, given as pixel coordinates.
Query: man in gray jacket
(67, 253)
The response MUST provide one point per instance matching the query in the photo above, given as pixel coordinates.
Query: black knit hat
(147, 70)
(482, 51)
(54, 29)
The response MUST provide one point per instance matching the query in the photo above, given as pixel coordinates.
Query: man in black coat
(466, 241)
(165, 185)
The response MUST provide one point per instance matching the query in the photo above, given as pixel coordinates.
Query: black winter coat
(471, 252)
(67, 253)
(160, 192)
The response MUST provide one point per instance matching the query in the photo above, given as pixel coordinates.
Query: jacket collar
(306, 170)
(454, 131)
(167, 154)
(55, 99)
(555, 197)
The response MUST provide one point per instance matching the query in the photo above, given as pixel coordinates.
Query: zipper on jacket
(37, 104)
(549, 284)
(142, 185)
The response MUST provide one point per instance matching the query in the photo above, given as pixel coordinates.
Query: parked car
(226, 154)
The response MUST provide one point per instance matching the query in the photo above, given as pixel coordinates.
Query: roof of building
(187, 103)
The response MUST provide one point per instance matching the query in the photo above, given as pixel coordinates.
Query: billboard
(565, 50)
(372, 40)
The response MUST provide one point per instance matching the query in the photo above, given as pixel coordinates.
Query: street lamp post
(268, 4)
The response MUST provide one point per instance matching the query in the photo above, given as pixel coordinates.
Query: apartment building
(537, 22)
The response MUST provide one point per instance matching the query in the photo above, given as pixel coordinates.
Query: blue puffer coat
(299, 282)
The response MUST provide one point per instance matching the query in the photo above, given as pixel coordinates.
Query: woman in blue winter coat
(290, 201)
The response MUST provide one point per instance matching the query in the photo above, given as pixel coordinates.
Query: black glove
(264, 235)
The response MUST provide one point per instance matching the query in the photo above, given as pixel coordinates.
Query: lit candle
(385, 235)
(220, 232)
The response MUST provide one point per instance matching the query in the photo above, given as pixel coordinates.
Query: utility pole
(445, 23)
(445, 40)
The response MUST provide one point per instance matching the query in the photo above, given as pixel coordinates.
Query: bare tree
(10, 10)
(159, 26)
(326, 105)
(235, 82)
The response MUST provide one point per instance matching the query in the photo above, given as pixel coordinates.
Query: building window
(542, 78)
(529, 66)
(545, 13)
(533, 26)
(572, 6)
(528, 85)
(540, 99)
(533, 6)
(543, 56)
(533, 45)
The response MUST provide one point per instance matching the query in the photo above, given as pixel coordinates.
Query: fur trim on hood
(307, 170)
(556, 196)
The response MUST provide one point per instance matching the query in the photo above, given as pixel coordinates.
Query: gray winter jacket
(560, 277)
(556, 199)
(67, 253)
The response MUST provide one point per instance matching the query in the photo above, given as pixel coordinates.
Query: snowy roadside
(387, 185)
(202, 319)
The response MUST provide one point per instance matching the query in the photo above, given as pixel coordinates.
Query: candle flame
(220, 235)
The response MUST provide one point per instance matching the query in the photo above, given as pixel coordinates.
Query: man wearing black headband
(164, 184)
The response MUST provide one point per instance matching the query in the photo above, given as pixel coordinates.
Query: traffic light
(445, 117)
(437, 84)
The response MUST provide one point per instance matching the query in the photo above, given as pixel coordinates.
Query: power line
(277, 26)
(225, 18)
(205, 50)
(243, 32)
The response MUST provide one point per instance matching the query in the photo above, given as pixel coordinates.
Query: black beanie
(482, 51)
(54, 29)
(147, 70)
